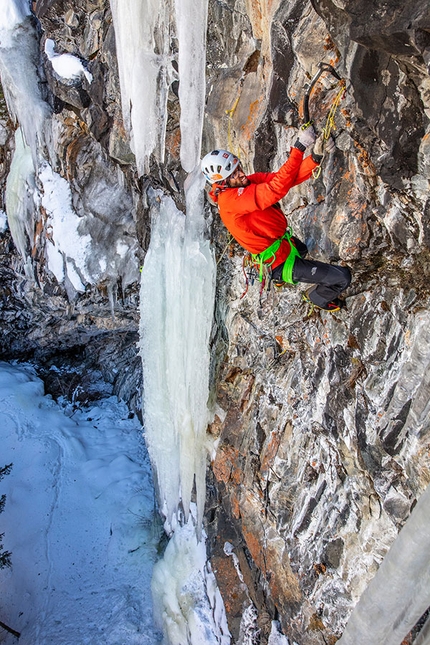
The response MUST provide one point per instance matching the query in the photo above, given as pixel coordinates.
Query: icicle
(191, 24)
(399, 594)
(19, 50)
(20, 186)
(142, 42)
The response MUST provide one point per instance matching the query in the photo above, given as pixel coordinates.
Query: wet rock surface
(322, 420)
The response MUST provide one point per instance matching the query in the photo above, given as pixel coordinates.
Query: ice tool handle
(322, 67)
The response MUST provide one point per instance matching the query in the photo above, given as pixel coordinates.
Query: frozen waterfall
(176, 303)
(20, 186)
(399, 594)
(143, 32)
(19, 50)
(177, 296)
(191, 20)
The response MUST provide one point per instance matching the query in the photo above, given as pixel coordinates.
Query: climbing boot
(334, 305)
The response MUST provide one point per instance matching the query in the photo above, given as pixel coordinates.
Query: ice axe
(322, 67)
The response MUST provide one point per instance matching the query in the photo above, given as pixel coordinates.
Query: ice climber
(248, 207)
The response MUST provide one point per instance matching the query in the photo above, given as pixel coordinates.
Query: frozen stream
(79, 520)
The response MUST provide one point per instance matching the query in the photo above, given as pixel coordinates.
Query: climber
(248, 207)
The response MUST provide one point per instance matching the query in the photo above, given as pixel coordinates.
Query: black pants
(330, 279)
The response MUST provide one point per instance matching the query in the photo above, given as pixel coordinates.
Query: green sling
(268, 256)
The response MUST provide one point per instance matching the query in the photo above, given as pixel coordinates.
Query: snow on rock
(67, 66)
(66, 246)
(79, 519)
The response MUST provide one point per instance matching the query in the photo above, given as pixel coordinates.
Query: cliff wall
(322, 420)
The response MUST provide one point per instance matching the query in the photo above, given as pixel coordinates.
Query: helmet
(218, 165)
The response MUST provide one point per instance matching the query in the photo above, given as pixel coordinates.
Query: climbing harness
(259, 265)
(266, 258)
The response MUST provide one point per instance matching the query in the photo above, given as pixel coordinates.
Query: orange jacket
(251, 214)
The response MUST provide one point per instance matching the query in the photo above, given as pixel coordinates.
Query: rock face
(324, 429)
(322, 420)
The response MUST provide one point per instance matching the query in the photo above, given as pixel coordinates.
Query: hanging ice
(177, 295)
(191, 20)
(142, 32)
(399, 594)
(19, 50)
(20, 186)
(13, 13)
(142, 41)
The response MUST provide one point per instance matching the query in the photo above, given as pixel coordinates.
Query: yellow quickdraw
(330, 123)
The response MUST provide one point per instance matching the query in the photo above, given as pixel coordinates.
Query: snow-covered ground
(79, 520)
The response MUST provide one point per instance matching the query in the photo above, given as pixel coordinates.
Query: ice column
(177, 296)
(142, 42)
(19, 51)
(20, 186)
(399, 593)
(191, 22)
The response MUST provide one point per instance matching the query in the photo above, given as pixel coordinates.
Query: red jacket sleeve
(305, 171)
(270, 189)
(270, 192)
(267, 189)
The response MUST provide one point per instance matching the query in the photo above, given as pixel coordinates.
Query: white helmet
(218, 165)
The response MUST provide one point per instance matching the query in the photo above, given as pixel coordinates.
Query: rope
(330, 123)
(230, 114)
(230, 238)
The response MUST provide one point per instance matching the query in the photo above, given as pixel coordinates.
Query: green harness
(266, 258)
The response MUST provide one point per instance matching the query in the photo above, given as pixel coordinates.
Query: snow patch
(64, 225)
(66, 66)
(79, 519)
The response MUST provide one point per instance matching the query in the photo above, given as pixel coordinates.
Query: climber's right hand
(306, 138)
